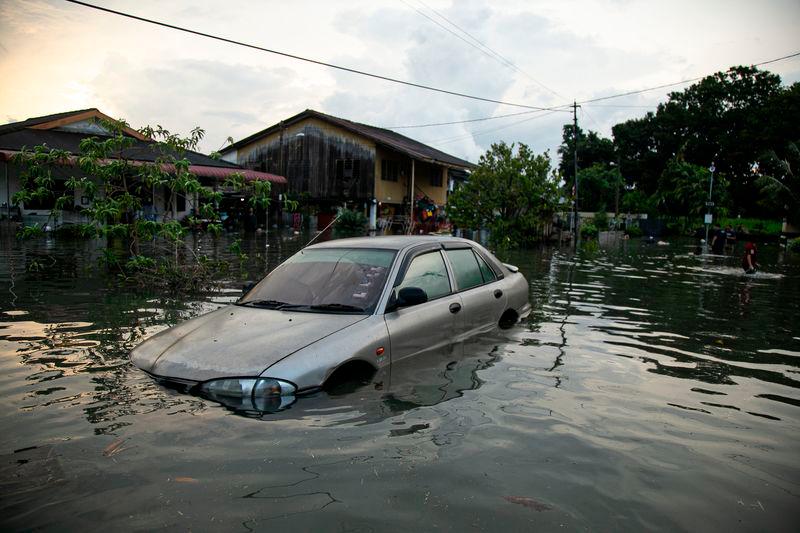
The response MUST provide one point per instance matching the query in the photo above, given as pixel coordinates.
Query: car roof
(389, 242)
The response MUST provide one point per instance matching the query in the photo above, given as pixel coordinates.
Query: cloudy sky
(57, 56)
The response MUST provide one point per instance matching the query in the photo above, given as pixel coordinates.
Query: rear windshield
(325, 280)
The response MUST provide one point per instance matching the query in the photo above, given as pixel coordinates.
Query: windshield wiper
(269, 304)
(336, 307)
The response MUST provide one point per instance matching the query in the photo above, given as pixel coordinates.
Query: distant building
(330, 162)
(65, 131)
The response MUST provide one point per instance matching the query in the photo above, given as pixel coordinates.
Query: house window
(390, 170)
(435, 177)
(347, 169)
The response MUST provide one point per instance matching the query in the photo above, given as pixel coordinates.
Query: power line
(301, 58)
(590, 102)
(483, 132)
(690, 80)
(624, 106)
(448, 30)
(483, 46)
(590, 117)
(481, 119)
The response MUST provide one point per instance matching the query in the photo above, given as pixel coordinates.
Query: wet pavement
(649, 389)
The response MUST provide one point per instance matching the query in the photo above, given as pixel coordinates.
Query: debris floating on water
(115, 447)
(531, 503)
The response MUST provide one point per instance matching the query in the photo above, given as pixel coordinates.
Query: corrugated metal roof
(34, 121)
(382, 136)
(197, 170)
(70, 141)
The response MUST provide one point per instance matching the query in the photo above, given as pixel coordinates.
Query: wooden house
(331, 162)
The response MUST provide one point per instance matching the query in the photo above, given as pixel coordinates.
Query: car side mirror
(409, 296)
(247, 287)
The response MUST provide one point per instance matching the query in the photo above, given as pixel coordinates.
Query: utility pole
(575, 162)
(709, 203)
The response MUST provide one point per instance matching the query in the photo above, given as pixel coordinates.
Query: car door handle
(455, 308)
(498, 293)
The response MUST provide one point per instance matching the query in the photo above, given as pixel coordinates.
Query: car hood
(234, 341)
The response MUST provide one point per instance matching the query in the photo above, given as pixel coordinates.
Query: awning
(198, 170)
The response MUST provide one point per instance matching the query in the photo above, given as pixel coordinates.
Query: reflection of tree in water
(98, 348)
(78, 320)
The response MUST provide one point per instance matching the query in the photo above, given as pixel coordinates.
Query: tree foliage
(683, 189)
(736, 119)
(511, 192)
(779, 181)
(592, 150)
(732, 119)
(115, 186)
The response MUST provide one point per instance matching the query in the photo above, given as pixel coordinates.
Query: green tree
(512, 192)
(592, 150)
(116, 187)
(683, 189)
(598, 187)
(730, 118)
(779, 181)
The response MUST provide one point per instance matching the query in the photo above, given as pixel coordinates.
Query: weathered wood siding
(315, 157)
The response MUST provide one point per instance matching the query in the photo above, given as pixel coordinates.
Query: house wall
(311, 154)
(425, 175)
(392, 192)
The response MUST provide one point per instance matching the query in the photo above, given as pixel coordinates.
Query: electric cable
(301, 58)
(481, 46)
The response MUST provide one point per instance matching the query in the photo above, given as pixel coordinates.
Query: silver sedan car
(334, 308)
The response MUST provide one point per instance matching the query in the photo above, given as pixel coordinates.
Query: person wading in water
(749, 263)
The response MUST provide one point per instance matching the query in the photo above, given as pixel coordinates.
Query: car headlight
(259, 394)
(248, 387)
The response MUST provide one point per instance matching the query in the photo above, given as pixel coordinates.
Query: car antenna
(323, 231)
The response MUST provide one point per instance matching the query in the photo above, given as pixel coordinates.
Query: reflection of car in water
(336, 309)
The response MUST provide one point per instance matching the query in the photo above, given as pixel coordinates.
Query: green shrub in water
(589, 230)
(634, 231)
(350, 224)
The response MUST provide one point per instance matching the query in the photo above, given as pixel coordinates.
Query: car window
(465, 267)
(488, 273)
(427, 271)
(352, 277)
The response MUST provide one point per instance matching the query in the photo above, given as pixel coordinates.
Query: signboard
(709, 218)
(710, 204)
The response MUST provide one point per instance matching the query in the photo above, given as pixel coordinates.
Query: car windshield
(327, 280)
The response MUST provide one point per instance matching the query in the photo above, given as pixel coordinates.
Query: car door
(483, 299)
(430, 326)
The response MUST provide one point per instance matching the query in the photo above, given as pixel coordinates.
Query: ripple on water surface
(649, 389)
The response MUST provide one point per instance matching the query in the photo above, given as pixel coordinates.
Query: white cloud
(57, 56)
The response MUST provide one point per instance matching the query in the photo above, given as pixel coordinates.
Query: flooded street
(650, 389)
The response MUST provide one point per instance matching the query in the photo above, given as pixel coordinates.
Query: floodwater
(650, 389)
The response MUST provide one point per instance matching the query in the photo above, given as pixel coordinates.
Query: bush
(350, 224)
(589, 230)
(754, 225)
(634, 231)
(601, 219)
(794, 245)
(29, 232)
